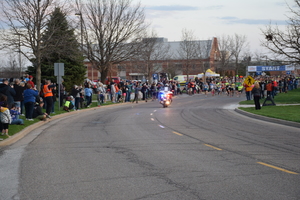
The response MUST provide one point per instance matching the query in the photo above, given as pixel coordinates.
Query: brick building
(176, 62)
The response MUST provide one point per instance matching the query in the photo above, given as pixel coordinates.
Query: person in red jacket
(30, 81)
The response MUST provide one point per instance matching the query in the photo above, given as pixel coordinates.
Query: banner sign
(271, 68)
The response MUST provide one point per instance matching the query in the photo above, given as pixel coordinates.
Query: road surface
(198, 148)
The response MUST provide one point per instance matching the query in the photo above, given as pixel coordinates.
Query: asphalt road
(198, 148)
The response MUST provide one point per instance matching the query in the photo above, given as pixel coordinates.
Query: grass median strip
(284, 111)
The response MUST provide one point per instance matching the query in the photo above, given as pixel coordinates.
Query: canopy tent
(210, 73)
(200, 75)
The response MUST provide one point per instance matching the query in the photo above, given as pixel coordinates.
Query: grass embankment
(13, 129)
(285, 112)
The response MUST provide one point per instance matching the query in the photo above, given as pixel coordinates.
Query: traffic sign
(249, 81)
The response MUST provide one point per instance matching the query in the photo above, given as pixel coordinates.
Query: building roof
(174, 48)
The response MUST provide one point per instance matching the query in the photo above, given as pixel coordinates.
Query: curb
(25, 131)
(21, 134)
(268, 119)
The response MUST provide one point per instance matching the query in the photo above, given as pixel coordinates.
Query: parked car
(182, 79)
(115, 78)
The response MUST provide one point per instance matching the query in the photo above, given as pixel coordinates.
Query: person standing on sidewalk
(128, 92)
(48, 95)
(76, 94)
(256, 92)
(30, 81)
(9, 91)
(30, 95)
(88, 95)
(248, 89)
(137, 89)
(101, 94)
(18, 98)
(269, 88)
(5, 118)
(62, 93)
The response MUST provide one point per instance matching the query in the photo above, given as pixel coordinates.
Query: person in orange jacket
(270, 89)
(48, 95)
(248, 90)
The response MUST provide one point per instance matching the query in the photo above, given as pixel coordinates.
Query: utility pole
(20, 60)
(81, 29)
(19, 52)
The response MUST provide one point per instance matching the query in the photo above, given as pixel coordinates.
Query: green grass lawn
(291, 97)
(290, 113)
(13, 129)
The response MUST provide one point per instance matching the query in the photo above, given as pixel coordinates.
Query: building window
(121, 68)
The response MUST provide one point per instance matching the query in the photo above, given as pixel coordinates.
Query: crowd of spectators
(20, 96)
(133, 91)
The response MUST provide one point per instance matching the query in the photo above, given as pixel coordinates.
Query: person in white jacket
(113, 92)
(5, 118)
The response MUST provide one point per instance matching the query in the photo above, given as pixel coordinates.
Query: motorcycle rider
(165, 93)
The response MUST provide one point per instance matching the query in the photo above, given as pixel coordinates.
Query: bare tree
(27, 21)
(239, 44)
(112, 31)
(152, 49)
(285, 44)
(10, 67)
(225, 44)
(146, 54)
(188, 50)
(259, 58)
(203, 49)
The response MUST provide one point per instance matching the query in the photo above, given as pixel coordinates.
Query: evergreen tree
(63, 48)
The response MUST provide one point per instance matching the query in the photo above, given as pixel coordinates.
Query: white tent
(210, 73)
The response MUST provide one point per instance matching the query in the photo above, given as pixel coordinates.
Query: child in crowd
(14, 112)
(69, 104)
(5, 118)
(100, 98)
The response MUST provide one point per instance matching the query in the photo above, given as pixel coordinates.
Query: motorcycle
(165, 98)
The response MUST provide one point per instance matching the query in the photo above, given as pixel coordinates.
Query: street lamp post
(81, 29)
(19, 51)
(20, 61)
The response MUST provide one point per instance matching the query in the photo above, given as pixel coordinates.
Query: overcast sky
(214, 18)
(211, 18)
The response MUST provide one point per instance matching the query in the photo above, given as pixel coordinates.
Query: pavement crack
(152, 171)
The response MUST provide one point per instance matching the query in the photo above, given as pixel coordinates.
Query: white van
(182, 79)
